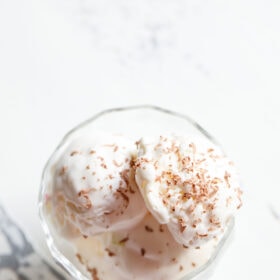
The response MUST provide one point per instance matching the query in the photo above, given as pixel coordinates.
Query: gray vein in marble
(274, 213)
(21, 261)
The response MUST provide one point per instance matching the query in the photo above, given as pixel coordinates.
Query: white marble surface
(54, 73)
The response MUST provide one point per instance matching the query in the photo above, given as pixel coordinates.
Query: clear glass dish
(133, 121)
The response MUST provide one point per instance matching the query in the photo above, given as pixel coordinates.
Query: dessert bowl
(135, 122)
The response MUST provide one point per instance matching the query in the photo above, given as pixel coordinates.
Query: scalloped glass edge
(59, 257)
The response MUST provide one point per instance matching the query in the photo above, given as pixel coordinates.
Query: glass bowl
(135, 122)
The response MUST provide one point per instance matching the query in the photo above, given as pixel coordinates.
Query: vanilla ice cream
(93, 186)
(145, 252)
(189, 185)
(155, 208)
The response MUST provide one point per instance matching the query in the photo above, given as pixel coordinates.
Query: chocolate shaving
(93, 272)
(110, 253)
(124, 240)
(182, 225)
(80, 259)
(181, 267)
(149, 229)
(161, 229)
(63, 170)
(143, 252)
(74, 153)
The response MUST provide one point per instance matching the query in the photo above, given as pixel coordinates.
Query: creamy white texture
(93, 186)
(145, 252)
(152, 209)
(188, 184)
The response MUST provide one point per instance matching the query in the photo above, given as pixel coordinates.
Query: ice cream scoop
(93, 186)
(189, 185)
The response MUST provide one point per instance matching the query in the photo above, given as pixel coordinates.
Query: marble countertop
(63, 61)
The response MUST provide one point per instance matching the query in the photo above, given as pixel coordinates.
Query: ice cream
(147, 251)
(155, 208)
(189, 185)
(93, 186)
